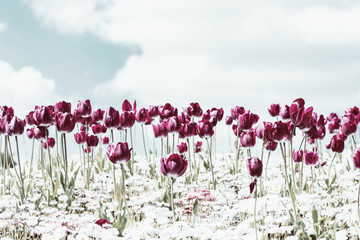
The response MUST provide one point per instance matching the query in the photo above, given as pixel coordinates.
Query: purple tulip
(15, 127)
(298, 156)
(126, 106)
(101, 222)
(30, 133)
(105, 140)
(92, 141)
(50, 142)
(284, 112)
(81, 137)
(111, 118)
(173, 124)
(127, 119)
(182, 147)
(141, 115)
(97, 116)
(167, 111)
(205, 129)
(173, 165)
(160, 130)
(43, 116)
(84, 108)
(255, 166)
(237, 111)
(274, 110)
(5, 110)
(119, 152)
(311, 158)
(247, 119)
(356, 158)
(198, 145)
(336, 144)
(348, 128)
(40, 132)
(153, 111)
(65, 122)
(228, 120)
(62, 107)
(271, 146)
(194, 110)
(187, 130)
(248, 139)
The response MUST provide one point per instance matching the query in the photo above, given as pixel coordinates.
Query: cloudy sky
(220, 53)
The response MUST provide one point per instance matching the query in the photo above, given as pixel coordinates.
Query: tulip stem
(132, 146)
(292, 160)
(256, 233)
(32, 156)
(172, 198)
(162, 147)
(358, 202)
(143, 134)
(331, 163)
(123, 185)
(267, 163)
(302, 166)
(5, 163)
(211, 164)
(237, 149)
(20, 173)
(173, 146)
(188, 142)
(65, 159)
(50, 161)
(114, 180)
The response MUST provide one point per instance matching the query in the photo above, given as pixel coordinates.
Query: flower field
(294, 178)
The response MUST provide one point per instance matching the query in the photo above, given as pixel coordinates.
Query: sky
(219, 53)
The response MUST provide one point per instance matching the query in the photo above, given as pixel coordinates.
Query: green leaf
(196, 207)
(315, 215)
(333, 179)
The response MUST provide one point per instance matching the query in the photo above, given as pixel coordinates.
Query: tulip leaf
(196, 207)
(62, 181)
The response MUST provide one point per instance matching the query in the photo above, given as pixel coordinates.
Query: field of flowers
(298, 187)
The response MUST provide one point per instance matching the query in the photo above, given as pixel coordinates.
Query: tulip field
(296, 177)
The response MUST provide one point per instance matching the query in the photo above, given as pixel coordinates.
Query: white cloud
(25, 88)
(221, 52)
(3, 27)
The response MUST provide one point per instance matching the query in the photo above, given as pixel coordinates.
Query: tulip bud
(252, 186)
(255, 166)
(92, 141)
(30, 133)
(205, 129)
(173, 165)
(111, 118)
(105, 140)
(65, 122)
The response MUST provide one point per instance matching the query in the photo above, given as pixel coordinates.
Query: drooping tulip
(173, 165)
(118, 152)
(254, 166)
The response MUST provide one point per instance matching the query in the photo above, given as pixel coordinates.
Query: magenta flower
(348, 128)
(271, 146)
(97, 129)
(187, 130)
(118, 152)
(65, 122)
(194, 110)
(274, 110)
(153, 111)
(127, 107)
(5, 110)
(284, 112)
(40, 133)
(160, 130)
(141, 115)
(111, 118)
(298, 156)
(254, 166)
(173, 124)
(247, 119)
(127, 119)
(30, 133)
(205, 129)
(248, 139)
(218, 113)
(311, 158)
(43, 116)
(50, 142)
(81, 137)
(84, 108)
(92, 141)
(336, 144)
(173, 165)
(62, 107)
(237, 111)
(356, 158)
(101, 222)
(167, 111)
(97, 116)
(15, 127)
(105, 140)
(182, 147)
(279, 131)
(228, 120)
(198, 145)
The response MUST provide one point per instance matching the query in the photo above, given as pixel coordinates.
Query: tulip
(127, 119)
(5, 110)
(30, 133)
(182, 147)
(274, 110)
(105, 140)
(194, 110)
(40, 133)
(279, 131)
(311, 158)
(271, 146)
(111, 118)
(29, 118)
(198, 145)
(126, 106)
(228, 120)
(173, 124)
(15, 127)
(141, 115)
(187, 130)
(298, 156)
(97, 116)
(284, 112)
(336, 144)
(62, 107)
(92, 141)
(97, 129)
(334, 124)
(248, 139)
(218, 113)
(348, 128)
(237, 111)
(118, 152)
(184, 118)
(356, 160)
(246, 120)
(81, 137)
(254, 166)
(209, 118)
(205, 129)
(50, 141)
(160, 130)
(84, 108)
(167, 111)
(65, 122)
(43, 116)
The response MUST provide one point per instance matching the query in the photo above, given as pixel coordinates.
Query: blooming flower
(118, 152)
(173, 165)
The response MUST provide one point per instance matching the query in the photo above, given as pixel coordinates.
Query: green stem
(331, 163)
(123, 185)
(172, 198)
(50, 161)
(211, 164)
(267, 163)
(32, 156)
(19, 163)
(188, 142)
(143, 134)
(65, 159)
(255, 212)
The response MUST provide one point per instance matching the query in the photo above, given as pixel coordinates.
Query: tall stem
(237, 149)
(358, 202)
(302, 166)
(172, 198)
(267, 163)
(65, 159)
(143, 134)
(188, 142)
(5, 164)
(255, 211)
(50, 160)
(132, 146)
(173, 146)
(32, 156)
(312, 180)
(114, 180)
(331, 163)
(19, 163)
(211, 164)
(123, 185)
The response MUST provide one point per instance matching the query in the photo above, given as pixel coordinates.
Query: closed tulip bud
(248, 139)
(254, 166)
(182, 147)
(279, 131)
(105, 140)
(271, 146)
(228, 120)
(198, 145)
(173, 124)
(127, 119)
(111, 118)
(15, 127)
(141, 115)
(160, 130)
(97, 116)
(237, 111)
(205, 129)
(194, 110)
(30, 133)
(356, 158)
(153, 111)
(298, 156)
(92, 141)
(40, 133)
(173, 165)
(284, 112)
(81, 137)
(274, 110)
(84, 108)
(118, 152)
(65, 122)
(348, 128)
(43, 116)
(218, 113)
(62, 107)
(311, 158)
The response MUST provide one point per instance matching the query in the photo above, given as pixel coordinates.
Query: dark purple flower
(336, 144)
(205, 129)
(111, 118)
(247, 119)
(62, 107)
(194, 110)
(228, 120)
(356, 158)
(50, 142)
(173, 165)
(119, 152)
(237, 111)
(127, 119)
(15, 127)
(92, 141)
(248, 139)
(255, 166)
(348, 128)
(298, 155)
(187, 130)
(274, 110)
(167, 111)
(284, 112)
(30, 133)
(311, 158)
(40, 132)
(198, 145)
(126, 106)
(65, 122)
(141, 115)
(97, 116)
(173, 124)
(81, 137)
(160, 130)
(182, 147)
(105, 140)
(101, 222)
(271, 146)
(43, 116)
(84, 108)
